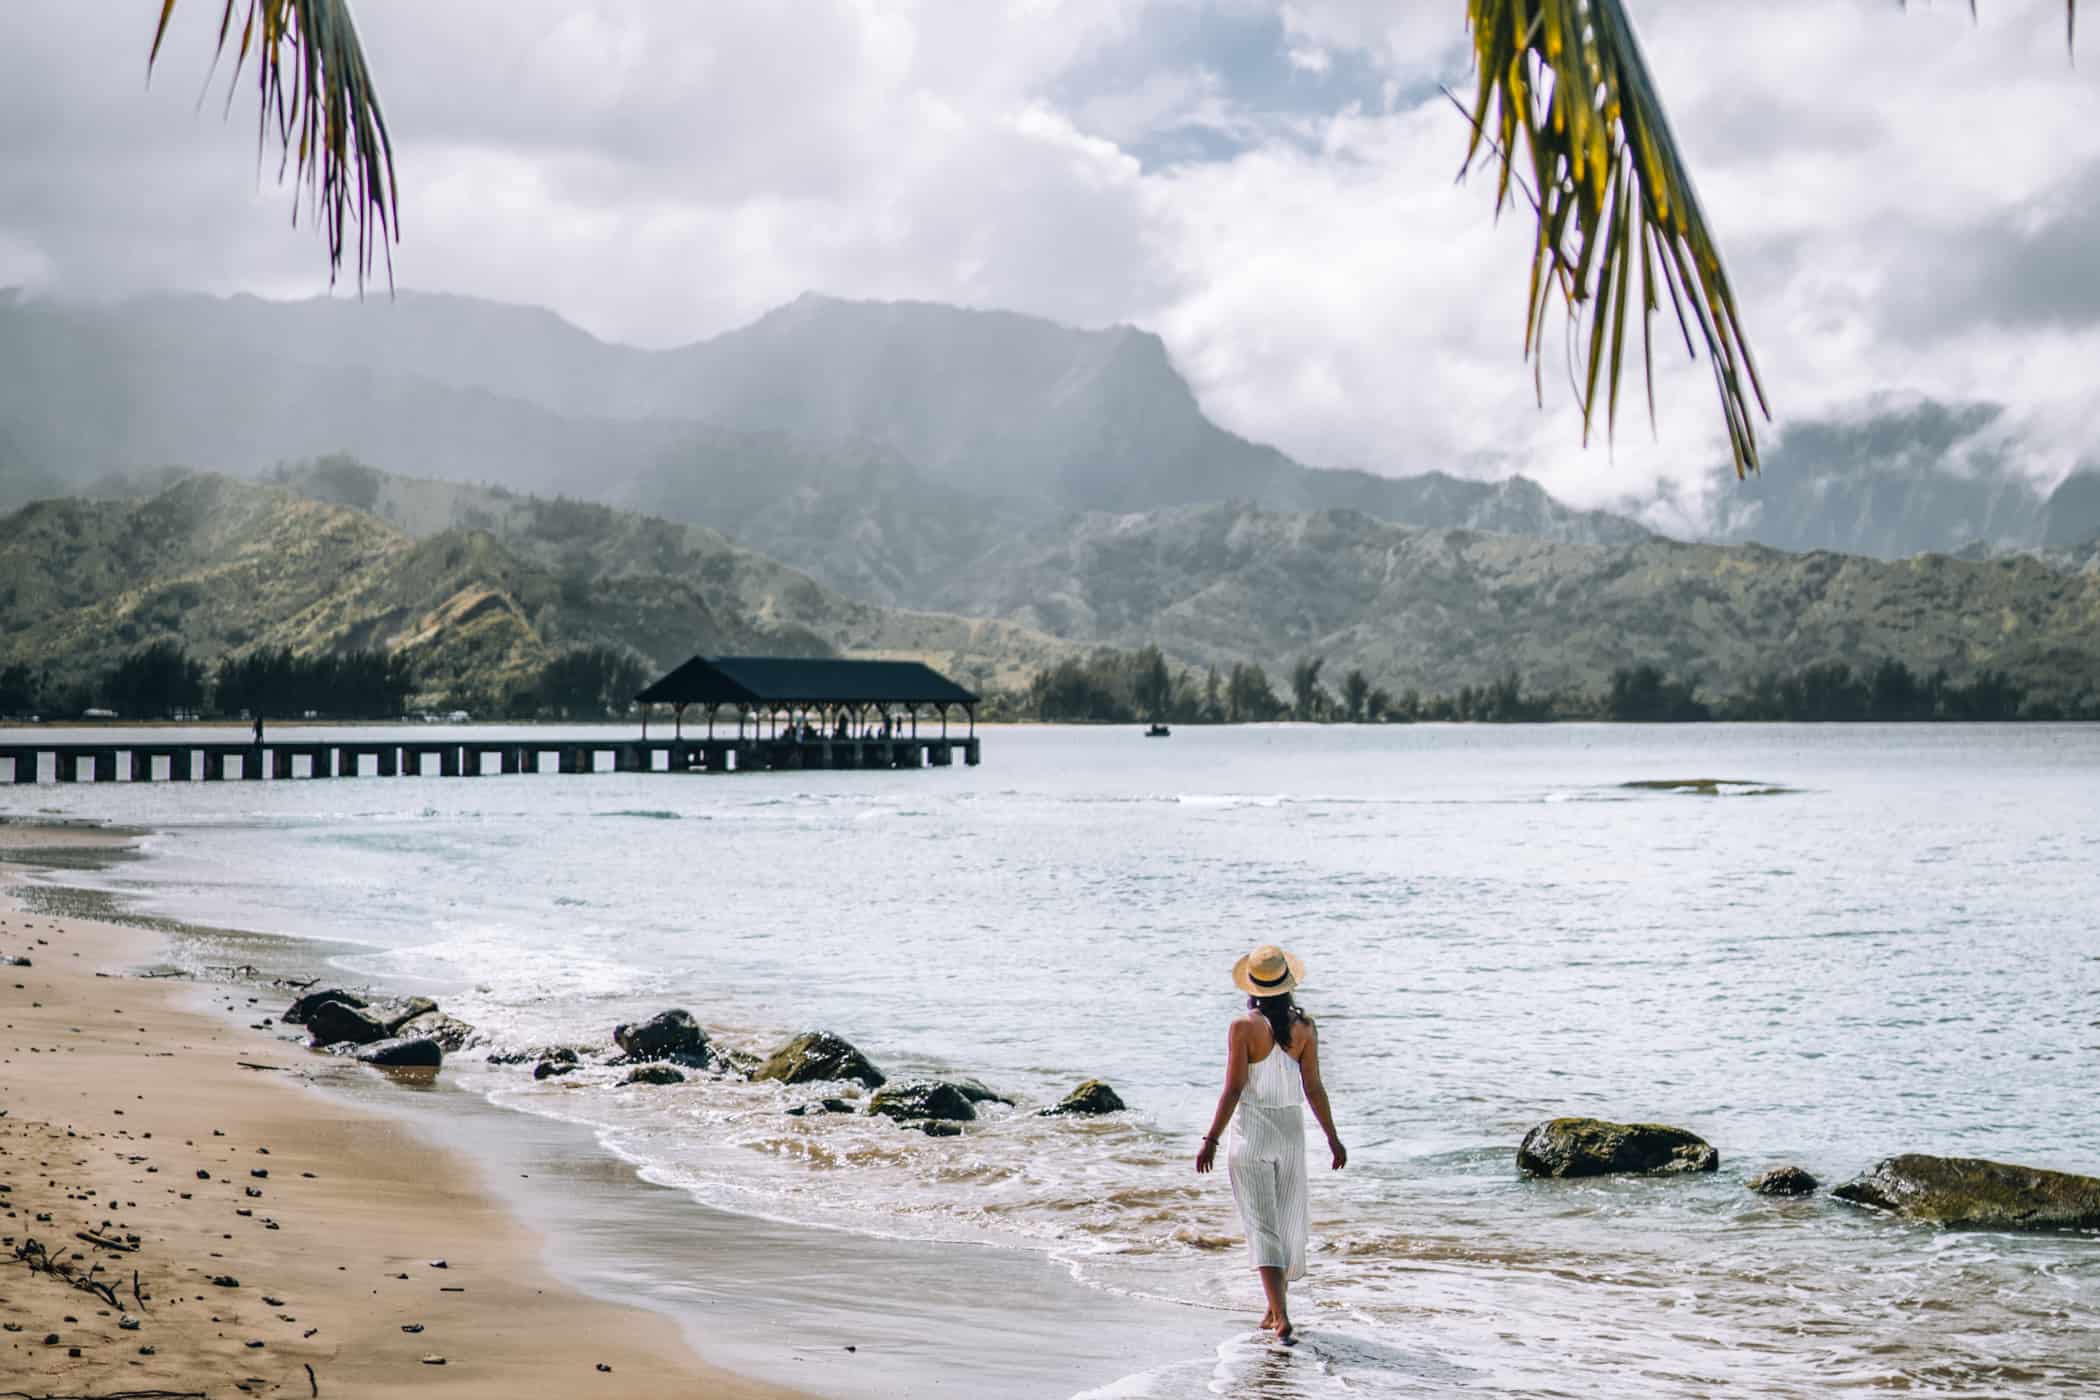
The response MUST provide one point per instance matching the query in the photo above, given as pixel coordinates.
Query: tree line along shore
(1123, 687)
(162, 681)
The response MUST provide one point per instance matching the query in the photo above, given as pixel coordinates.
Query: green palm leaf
(1570, 115)
(314, 88)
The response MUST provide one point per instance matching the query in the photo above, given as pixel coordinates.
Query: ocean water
(1864, 941)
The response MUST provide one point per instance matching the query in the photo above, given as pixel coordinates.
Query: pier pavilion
(821, 712)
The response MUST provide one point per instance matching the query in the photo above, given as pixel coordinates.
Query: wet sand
(253, 1235)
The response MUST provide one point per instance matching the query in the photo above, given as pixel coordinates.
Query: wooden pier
(147, 760)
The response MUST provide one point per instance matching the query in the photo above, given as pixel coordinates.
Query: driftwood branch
(313, 1380)
(109, 1395)
(102, 1242)
(31, 1251)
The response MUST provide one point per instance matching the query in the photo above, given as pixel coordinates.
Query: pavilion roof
(796, 680)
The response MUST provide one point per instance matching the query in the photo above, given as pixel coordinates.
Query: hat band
(1277, 981)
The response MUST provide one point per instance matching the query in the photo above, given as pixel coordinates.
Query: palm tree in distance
(1565, 114)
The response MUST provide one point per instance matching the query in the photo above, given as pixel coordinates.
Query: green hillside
(481, 605)
(1442, 609)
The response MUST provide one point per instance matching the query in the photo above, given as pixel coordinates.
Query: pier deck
(145, 760)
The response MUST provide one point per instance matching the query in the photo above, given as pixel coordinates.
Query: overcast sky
(1910, 202)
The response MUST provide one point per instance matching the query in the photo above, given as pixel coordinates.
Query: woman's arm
(1229, 1097)
(1316, 1095)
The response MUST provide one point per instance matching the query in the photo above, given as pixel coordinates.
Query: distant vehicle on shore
(1159, 731)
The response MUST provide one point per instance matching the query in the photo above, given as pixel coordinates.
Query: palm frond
(314, 89)
(1568, 112)
(1569, 115)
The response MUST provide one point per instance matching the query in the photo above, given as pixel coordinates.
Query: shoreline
(281, 1241)
(791, 1309)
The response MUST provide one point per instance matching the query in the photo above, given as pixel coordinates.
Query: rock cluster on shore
(403, 1033)
(657, 1051)
(1949, 1192)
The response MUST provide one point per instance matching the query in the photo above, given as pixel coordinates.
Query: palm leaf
(314, 89)
(1568, 113)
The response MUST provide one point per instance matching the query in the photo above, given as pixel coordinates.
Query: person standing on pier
(258, 729)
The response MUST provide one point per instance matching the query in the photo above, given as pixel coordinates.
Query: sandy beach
(180, 1217)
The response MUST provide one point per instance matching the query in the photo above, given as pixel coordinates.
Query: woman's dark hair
(1281, 1012)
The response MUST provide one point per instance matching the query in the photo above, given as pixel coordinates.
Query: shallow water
(1863, 941)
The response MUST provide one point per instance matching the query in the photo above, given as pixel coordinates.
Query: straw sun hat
(1268, 971)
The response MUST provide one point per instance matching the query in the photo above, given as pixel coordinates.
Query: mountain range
(482, 586)
(991, 489)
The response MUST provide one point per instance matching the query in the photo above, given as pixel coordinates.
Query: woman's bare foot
(1287, 1334)
(1268, 1321)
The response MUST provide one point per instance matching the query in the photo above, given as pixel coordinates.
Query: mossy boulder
(1089, 1099)
(668, 1035)
(1973, 1193)
(816, 1057)
(653, 1074)
(1784, 1181)
(1574, 1147)
(927, 1100)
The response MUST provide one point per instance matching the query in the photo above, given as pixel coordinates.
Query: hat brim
(1243, 976)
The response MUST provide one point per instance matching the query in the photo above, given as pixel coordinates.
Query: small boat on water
(1159, 731)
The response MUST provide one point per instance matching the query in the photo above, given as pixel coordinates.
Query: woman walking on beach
(1272, 1067)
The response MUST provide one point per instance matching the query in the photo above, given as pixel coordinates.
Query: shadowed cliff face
(1919, 479)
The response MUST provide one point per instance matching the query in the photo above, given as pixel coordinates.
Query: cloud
(1907, 199)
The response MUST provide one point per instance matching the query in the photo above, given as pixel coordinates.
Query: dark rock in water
(400, 1011)
(297, 1013)
(555, 1061)
(1090, 1098)
(404, 1052)
(334, 1021)
(1592, 1147)
(805, 1110)
(977, 1091)
(653, 1074)
(1784, 1181)
(927, 1099)
(937, 1127)
(448, 1031)
(526, 1057)
(668, 1035)
(1973, 1193)
(817, 1056)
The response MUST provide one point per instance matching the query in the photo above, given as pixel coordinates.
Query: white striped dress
(1267, 1163)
